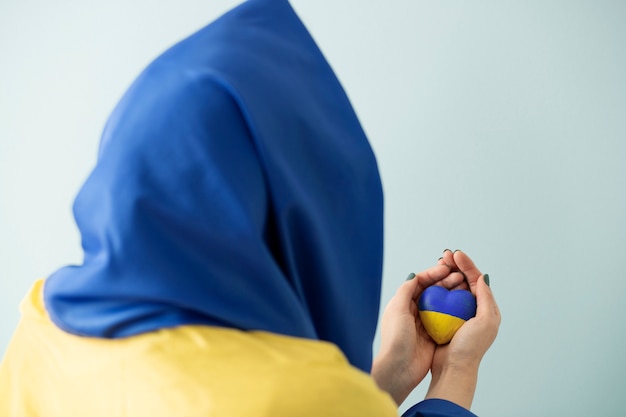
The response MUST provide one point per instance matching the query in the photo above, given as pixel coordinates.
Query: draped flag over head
(234, 187)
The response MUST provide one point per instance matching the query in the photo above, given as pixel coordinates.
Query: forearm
(455, 384)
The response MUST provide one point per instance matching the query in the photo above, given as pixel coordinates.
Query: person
(232, 235)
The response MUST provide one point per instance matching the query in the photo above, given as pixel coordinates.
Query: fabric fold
(234, 187)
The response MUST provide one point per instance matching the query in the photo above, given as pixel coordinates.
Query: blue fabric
(234, 187)
(437, 408)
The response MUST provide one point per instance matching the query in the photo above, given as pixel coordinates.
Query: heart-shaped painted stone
(443, 312)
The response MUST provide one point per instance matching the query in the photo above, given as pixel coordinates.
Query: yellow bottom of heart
(440, 327)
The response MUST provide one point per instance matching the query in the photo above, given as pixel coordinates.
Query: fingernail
(440, 258)
(446, 250)
(457, 250)
(410, 277)
(486, 278)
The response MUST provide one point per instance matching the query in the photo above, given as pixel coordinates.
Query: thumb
(487, 308)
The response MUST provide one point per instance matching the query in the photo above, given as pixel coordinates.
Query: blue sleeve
(437, 408)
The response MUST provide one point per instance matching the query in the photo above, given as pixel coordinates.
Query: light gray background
(499, 126)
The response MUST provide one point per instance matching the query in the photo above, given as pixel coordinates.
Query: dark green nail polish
(446, 250)
(457, 250)
(486, 278)
(410, 277)
(440, 258)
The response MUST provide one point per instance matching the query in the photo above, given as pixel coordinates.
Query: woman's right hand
(455, 365)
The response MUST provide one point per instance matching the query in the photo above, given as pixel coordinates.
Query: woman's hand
(406, 351)
(455, 365)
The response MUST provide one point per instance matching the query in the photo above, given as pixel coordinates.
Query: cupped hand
(472, 340)
(406, 351)
(455, 365)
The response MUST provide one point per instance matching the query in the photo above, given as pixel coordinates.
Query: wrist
(455, 383)
(389, 375)
(456, 367)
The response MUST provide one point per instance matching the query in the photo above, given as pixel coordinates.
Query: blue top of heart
(458, 303)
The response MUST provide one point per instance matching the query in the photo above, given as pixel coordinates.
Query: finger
(487, 308)
(453, 280)
(466, 266)
(404, 297)
(429, 277)
(448, 259)
(462, 286)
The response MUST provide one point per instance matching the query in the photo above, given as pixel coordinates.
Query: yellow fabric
(440, 326)
(185, 371)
